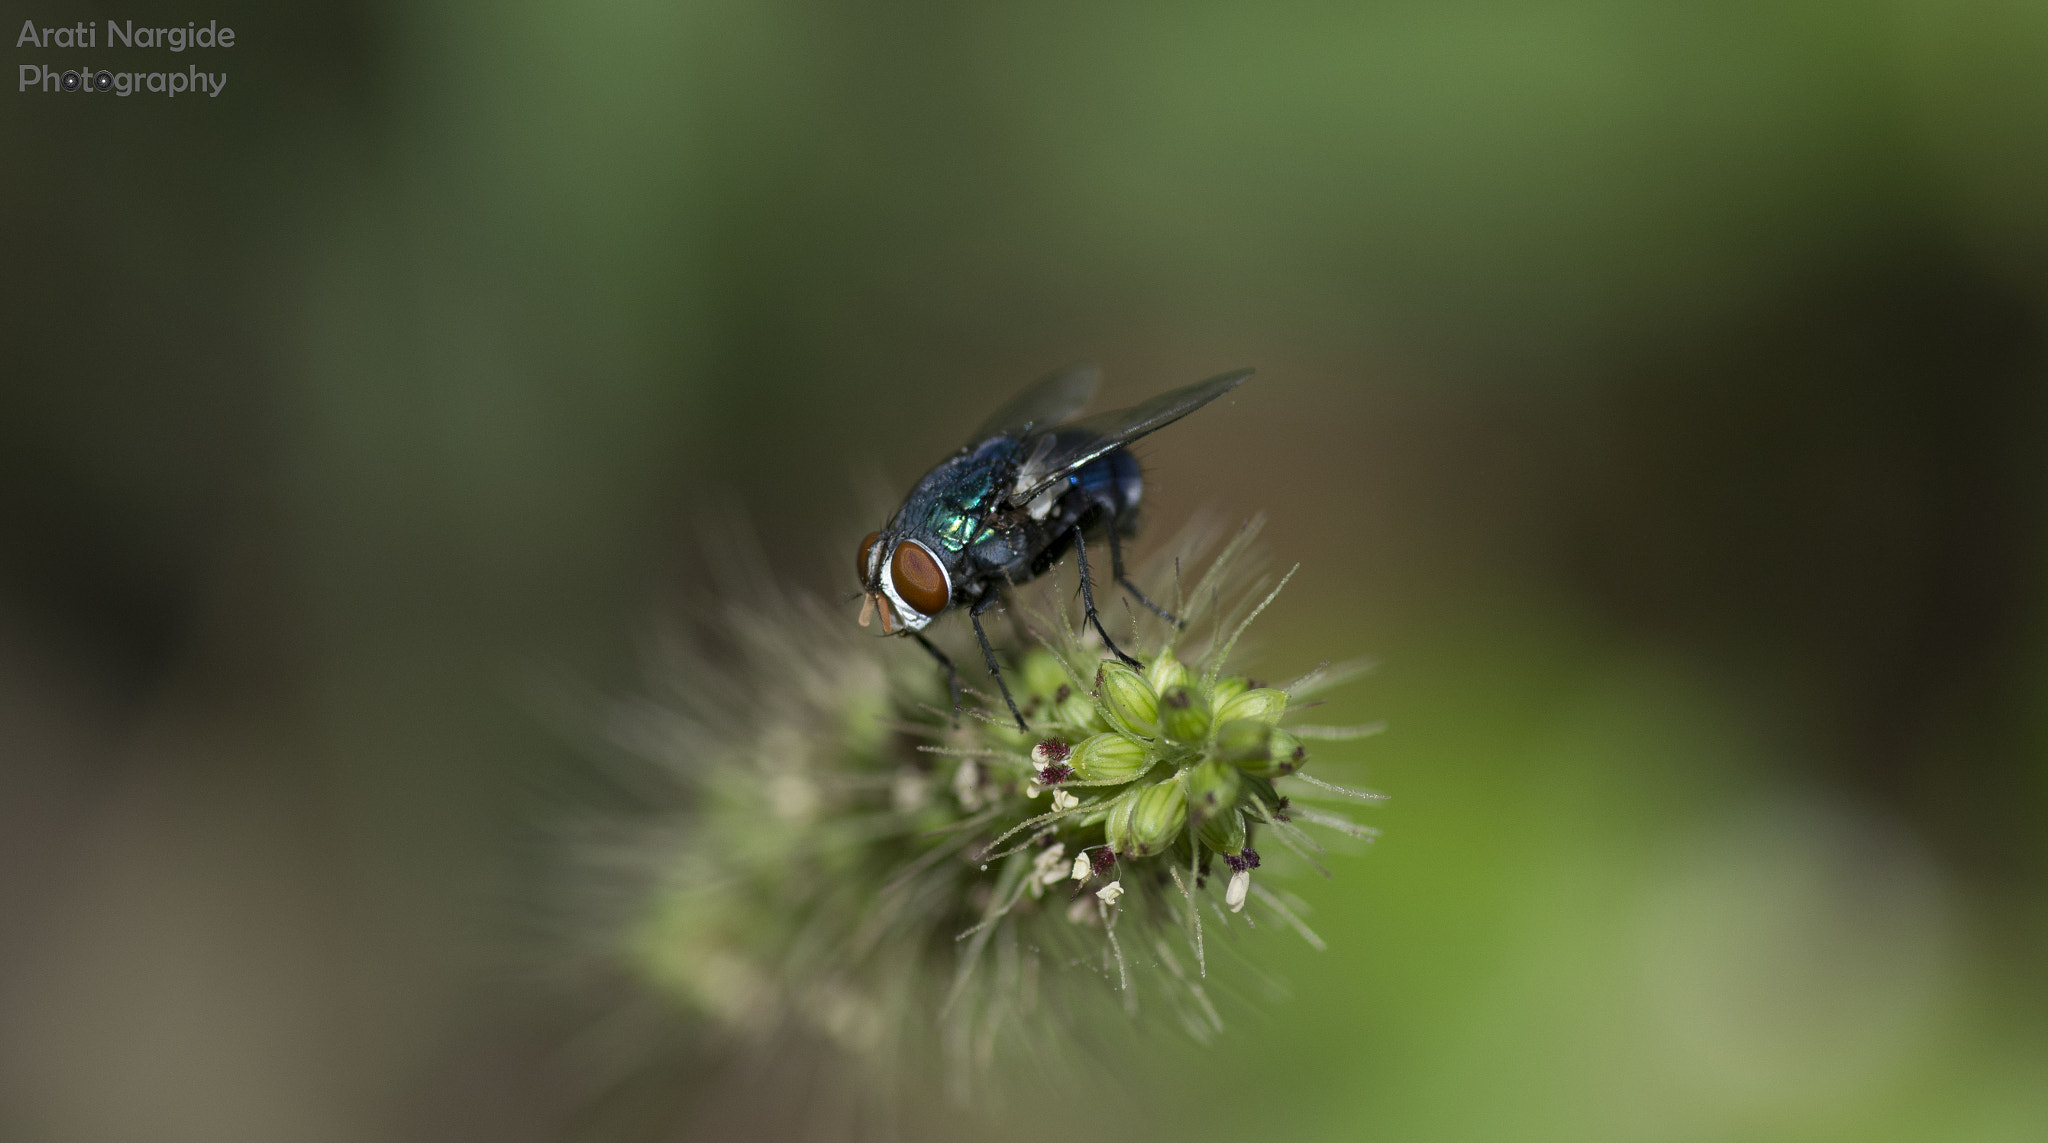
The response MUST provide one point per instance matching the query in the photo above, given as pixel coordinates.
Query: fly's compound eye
(918, 578)
(867, 557)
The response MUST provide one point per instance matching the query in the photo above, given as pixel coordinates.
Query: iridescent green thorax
(961, 495)
(957, 530)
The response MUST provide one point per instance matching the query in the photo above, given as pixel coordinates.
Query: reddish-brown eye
(867, 554)
(918, 578)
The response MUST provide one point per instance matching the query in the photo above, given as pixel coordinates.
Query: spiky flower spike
(845, 860)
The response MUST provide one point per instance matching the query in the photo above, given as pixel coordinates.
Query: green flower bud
(1079, 711)
(1284, 755)
(1156, 814)
(1212, 789)
(1288, 753)
(1130, 703)
(1260, 789)
(1109, 758)
(1243, 741)
(1183, 714)
(1264, 704)
(1166, 671)
(1224, 832)
(1228, 687)
(1116, 826)
(1043, 674)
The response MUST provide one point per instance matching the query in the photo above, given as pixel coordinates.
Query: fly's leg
(1116, 564)
(988, 655)
(952, 674)
(1088, 600)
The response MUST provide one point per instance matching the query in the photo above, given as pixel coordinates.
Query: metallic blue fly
(1008, 505)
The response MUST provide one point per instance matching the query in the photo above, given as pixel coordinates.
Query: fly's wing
(1043, 403)
(1054, 456)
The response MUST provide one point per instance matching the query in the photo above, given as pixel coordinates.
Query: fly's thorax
(952, 506)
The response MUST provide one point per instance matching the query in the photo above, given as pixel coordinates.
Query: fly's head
(902, 579)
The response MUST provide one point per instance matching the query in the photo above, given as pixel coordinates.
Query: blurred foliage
(1656, 387)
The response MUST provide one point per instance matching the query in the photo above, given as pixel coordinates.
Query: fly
(1006, 507)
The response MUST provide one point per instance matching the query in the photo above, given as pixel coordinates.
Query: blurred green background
(1656, 389)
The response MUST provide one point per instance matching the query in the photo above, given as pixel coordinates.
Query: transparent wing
(1043, 403)
(1057, 455)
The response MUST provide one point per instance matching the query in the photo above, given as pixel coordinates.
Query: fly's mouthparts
(879, 606)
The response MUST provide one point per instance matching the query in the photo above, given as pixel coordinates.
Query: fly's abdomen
(1113, 479)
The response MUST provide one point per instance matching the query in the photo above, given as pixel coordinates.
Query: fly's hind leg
(988, 655)
(1116, 565)
(952, 673)
(1088, 599)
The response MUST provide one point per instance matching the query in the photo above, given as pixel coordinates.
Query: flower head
(838, 855)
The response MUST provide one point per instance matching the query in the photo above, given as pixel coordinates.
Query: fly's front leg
(952, 674)
(988, 655)
(1088, 600)
(1116, 564)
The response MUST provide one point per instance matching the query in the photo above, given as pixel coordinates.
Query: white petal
(1110, 892)
(1082, 866)
(1240, 884)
